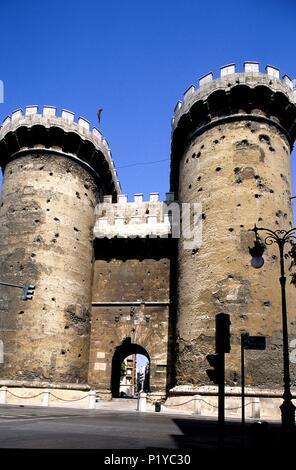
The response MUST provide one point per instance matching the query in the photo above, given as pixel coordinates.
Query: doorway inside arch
(130, 370)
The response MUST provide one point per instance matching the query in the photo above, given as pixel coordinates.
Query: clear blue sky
(135, 59)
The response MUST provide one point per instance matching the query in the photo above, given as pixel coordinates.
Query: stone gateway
(114, 277)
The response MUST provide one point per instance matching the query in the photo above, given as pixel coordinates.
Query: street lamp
(280, 237)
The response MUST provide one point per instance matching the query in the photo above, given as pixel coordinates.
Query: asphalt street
(61, 428)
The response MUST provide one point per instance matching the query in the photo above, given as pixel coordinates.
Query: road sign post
(248, 342)
(217, 373)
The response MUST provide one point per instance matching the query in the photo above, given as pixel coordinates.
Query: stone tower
(55, 172)
(231, 144)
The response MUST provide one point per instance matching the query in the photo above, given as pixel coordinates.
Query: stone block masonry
(53, 170)
(112, 279)
(231, 145)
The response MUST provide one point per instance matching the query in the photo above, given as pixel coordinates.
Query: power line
(144, 163)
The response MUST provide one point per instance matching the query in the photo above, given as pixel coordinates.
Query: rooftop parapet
(229, 77)
(32, 130)
(137, 218)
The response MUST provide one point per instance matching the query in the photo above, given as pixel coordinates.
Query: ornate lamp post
(280, 237)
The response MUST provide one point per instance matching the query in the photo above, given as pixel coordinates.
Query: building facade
(115, 278)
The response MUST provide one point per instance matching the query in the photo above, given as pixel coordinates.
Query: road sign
(255, 342)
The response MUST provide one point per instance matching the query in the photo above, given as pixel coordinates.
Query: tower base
(203, 401)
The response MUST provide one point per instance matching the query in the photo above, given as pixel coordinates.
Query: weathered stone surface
(240, 171)
(131, 310)
(52, 182)
(231, 147)
(47, 242)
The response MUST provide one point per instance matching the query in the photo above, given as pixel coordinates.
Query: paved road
(60, 428)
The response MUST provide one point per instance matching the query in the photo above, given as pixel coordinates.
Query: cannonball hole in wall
(264, 138)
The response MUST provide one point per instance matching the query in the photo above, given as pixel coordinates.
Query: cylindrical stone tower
(231, 144)
(55, 171)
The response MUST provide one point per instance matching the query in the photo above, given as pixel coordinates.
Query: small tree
(123, 370)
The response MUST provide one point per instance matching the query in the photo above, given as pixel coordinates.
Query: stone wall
(47, 218)
(231, 153)
(131, 309)
(55, 172)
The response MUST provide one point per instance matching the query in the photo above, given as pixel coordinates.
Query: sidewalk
(131, 404)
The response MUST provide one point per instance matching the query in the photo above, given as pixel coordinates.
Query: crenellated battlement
(138, 218)
(17, 126)
(229, 77)
(234, 96)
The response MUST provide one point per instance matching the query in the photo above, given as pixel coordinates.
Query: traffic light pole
(10, 285)
(243, 335)
(221, 401)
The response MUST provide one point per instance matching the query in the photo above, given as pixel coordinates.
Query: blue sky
(134, 59)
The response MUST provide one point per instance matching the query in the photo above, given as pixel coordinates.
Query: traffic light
(223, 333)
(215, 374)
(28, 291)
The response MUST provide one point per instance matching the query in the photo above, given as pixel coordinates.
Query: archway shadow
(124, 350)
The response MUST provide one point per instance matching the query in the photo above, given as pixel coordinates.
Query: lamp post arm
(276, 235)
(281, 237)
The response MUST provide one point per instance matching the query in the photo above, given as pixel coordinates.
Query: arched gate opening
(125, 350)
